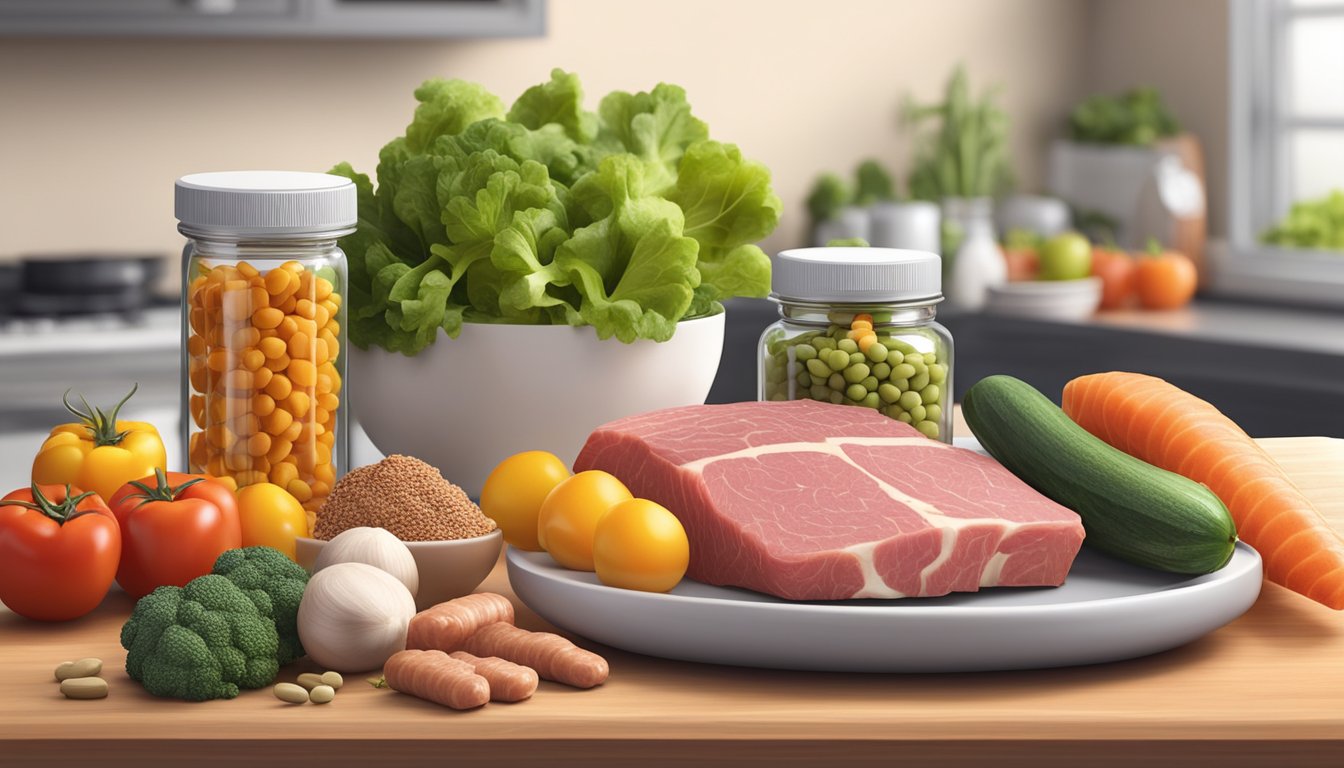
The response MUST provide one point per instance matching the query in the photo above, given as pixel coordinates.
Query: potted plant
(960, 149)
(870, 211)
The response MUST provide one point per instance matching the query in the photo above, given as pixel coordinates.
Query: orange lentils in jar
(265, 386)
(262, 326)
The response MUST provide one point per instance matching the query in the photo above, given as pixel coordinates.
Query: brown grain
(407, 497)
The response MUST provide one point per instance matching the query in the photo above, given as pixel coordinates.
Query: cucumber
(1130, 509)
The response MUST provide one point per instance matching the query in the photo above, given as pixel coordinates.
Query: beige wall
(1180, 48)
(93, 132)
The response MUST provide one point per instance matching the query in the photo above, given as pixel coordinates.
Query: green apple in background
(1066, 256)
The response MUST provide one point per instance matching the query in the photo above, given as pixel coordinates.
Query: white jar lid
(857, 276)
(265, 203)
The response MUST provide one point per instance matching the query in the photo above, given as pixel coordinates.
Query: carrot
(434, 676)
(445, 626)
(1165, 426)
(552, 656)
(508, 681)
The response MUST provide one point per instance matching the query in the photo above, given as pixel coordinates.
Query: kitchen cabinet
(1267, 689)
(275, 18)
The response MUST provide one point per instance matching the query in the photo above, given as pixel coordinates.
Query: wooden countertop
(1266, 689)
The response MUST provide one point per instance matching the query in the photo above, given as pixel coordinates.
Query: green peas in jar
(881, 349)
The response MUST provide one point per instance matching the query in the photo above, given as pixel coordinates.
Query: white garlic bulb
(375, 546)
(353, 617)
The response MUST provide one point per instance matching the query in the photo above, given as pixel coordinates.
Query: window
(1287, 143)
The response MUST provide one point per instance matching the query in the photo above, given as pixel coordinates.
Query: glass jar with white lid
(858, 327)
(263, 327)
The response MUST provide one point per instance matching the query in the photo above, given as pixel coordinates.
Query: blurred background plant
(1136, 117)
(1315, 223)
(960, 145)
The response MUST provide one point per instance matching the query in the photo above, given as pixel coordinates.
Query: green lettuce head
(628, 220)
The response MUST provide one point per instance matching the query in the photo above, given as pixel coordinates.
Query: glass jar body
(897, 360)
(263, 362)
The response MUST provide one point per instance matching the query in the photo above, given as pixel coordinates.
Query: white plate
(1106, 610)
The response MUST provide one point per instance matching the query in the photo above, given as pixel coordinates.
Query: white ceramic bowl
(447, 569)
(465, 404)
(1067, 300)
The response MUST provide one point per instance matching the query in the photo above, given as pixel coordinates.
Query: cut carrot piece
(1165, 426)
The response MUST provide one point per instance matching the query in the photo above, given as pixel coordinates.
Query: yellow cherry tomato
(271, 517)
(514, 491)
(570, 513)
(99, 453)
(640, 545)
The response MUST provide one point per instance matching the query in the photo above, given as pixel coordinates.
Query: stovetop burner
(59, 285)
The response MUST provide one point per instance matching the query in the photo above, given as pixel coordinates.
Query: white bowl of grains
(454, 544)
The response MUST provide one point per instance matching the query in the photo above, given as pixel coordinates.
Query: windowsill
(1264, 273)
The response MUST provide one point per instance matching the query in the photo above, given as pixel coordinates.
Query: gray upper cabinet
(274, 18)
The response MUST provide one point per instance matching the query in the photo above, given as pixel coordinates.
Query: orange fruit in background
(1165, 280)
(514, 491)
(568, 519)
(1116, 270)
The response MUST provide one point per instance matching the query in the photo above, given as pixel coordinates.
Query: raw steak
(811, 501)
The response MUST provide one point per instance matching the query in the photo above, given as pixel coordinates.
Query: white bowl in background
(1067, 300)
(465, 404)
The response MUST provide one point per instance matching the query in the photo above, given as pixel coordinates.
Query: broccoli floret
(202, 641)
(275, 583)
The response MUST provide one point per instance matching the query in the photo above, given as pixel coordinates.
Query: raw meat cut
(811, 501)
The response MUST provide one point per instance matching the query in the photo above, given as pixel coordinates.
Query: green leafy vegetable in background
(1311, 224)
(847, 242)
(1137, 117)
(874, 184)
(965, 154)
(627, 220)
(829, 194)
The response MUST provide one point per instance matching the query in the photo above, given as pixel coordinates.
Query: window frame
(1258, 164)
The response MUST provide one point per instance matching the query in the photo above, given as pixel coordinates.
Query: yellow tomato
(570, 513)
(271, 517)
(640, 545)
(514, 491)
(99, 453)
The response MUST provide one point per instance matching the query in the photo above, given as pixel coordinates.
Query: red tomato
(173, 528)
(1165, 280)
(58, 552)
(1116, 270)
